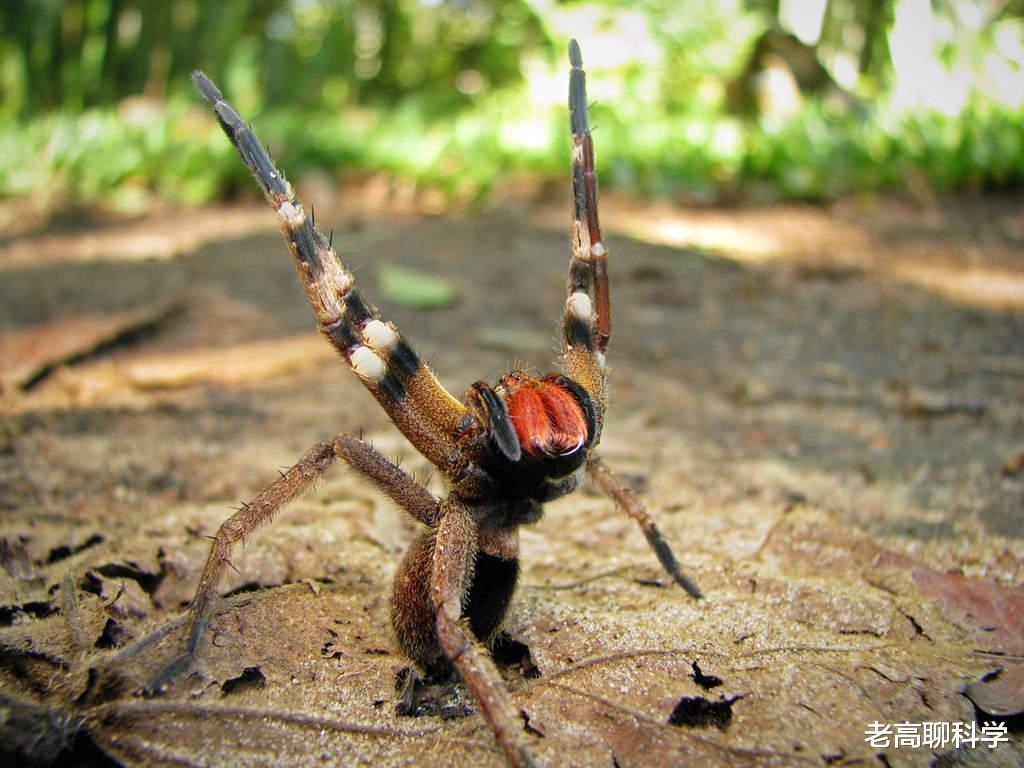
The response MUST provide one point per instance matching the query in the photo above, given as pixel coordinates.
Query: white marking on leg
(367, 365)
(579, 306)
(581, 241)
(291, 214)
(598, 250)
(380, 335)
(342, 278)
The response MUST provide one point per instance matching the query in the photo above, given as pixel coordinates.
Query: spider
(504, 450)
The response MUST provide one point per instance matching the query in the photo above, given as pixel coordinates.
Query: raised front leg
(587, 323)
(426, 413)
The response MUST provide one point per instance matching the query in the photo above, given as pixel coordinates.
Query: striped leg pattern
(426, 413)
(588, 323)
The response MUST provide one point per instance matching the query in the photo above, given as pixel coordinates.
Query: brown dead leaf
(997, 614)
(1000, 693)
(28, 355)
(236, 364)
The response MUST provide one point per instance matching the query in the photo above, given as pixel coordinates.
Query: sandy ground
(822, 408)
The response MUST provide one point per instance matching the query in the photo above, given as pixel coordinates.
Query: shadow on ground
(831, 435)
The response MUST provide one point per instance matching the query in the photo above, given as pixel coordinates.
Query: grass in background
(461, 96)
(141, 152)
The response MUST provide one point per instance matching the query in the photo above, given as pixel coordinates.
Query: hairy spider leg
(627, 501)
(401, 487)
(491, 583)
(587, 321)
(588, 324)
(425, 412)
(453, 566)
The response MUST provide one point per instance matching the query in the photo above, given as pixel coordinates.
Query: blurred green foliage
(460, 95)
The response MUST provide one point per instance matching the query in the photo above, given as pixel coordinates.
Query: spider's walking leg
(396, 483)
(631, 505)
(454, 555)
(399, 485)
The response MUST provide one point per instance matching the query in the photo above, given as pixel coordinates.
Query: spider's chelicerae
(504, 449)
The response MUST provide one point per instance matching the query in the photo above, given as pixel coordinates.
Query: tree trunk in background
(51, 92)
(874, 55)
(19, 21)
(111, 44)
(159, 58)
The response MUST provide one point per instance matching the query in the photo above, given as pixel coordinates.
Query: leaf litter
(862, 562)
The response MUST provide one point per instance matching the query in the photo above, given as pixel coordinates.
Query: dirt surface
(821, 407)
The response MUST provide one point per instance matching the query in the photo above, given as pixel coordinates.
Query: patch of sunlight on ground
(801, 234)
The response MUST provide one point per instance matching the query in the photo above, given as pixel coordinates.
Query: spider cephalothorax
(504, 450)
